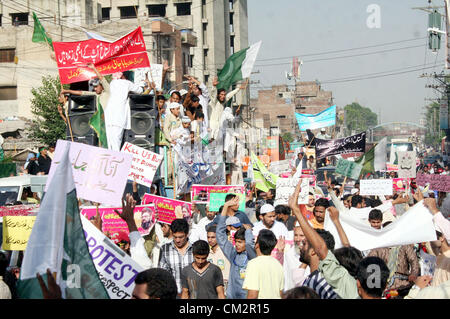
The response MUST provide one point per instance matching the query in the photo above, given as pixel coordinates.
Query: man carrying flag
(39, 34)
(101, 90)
(57, 245)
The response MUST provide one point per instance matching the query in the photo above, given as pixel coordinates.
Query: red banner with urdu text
(127, 53)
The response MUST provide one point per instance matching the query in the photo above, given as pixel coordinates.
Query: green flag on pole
(39, 34)
(238, 66)
(97, 122)
(264, 179)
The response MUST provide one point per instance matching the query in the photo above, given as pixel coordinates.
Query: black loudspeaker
(143, 120)
(81, 109)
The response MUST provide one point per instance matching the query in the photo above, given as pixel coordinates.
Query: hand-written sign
(376, 187)
(348, 168)
(16, 231)
(286, 187)
(144, 164)
(115, 268)
(406, 164)
(112, 223)
(168, 209)
(439, 183)
(154, 74)
(99, 174)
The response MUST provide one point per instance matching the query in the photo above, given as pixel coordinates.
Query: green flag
(39, 34)
(57, 242)
(367, 160)
(238, 66)
(97, 122)
(264, 179)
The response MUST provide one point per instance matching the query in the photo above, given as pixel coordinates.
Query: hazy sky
(304, 27)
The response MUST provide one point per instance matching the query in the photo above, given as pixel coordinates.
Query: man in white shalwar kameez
(117, 113)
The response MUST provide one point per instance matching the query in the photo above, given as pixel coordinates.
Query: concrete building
(277, 106)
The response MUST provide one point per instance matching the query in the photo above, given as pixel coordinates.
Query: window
(205, 58)
(128, 12)
(205, 34)
(281, 116)
(203, 9)
(19, 19)
(106, 14)
(231, 4)
(183, 9)
(7, 55)
(8, 93)
(206, 79)
(156, 10)
(1, 20)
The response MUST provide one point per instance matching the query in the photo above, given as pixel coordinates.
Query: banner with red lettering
(126, 53)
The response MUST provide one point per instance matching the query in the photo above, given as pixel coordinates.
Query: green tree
(434, 135)
(288, 137)
(47, 126)
(359, 118)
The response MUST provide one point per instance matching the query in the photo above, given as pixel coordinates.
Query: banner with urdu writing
(126, 53)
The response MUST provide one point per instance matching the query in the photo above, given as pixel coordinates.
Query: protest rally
(142, 158)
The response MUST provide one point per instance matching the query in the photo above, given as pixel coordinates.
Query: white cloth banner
(414, 226)
(375, 187)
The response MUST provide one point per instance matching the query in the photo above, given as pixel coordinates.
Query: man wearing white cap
(172, 121)
(268, 221)
(322, 135)
(117, 112)
(181, 137)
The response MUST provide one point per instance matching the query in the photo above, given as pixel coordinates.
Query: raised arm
(311, 235)
(334, 216)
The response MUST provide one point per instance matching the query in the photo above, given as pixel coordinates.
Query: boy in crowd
(238, 256)
(264, 277)
(201, 279)
(375, 218)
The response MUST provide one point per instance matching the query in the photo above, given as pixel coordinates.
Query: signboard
(154, 73)
(168, 209)
(375, 187)
(144, 216)
(218, 199)
(115, 268)
(144, 165)
(399, 184)
(100, 175)
(200, 194)
(350, 144)
(286, 187)
(16, 231)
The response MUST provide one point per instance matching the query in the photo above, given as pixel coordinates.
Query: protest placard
(16, 231)
(279, 167)
(100, 175)
(406, 164)
(350, 144)
(144, 216)
(115, 268)
(200, 194)
(312, 179)
(427, 263)
(439, 183)
(348, 168)
(218, 199)
(18, 210)
(399, 184)
(154, 74)
(375, 187)
(391, 167)
(144, 164)
(286, 187)
(218, 175)
(168, 209)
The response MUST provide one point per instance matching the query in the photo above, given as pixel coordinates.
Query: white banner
(115, 268)
(144, 165)
(414, 226)
(375, 187)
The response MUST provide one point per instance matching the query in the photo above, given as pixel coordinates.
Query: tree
(433, 135)
(288, 137)
(359, 118)
(47, 126)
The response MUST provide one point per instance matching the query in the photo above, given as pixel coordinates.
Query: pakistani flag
(97, 122)
(39, 34)
(238, 66)
(264, 179)
(375, 159)
(57, 242)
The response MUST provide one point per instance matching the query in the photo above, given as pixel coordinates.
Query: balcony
(189, 38)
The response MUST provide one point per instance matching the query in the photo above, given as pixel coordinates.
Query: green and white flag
(97, 122)
(374, 159)
(57, 242)
(238, 66)
(264, 179)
